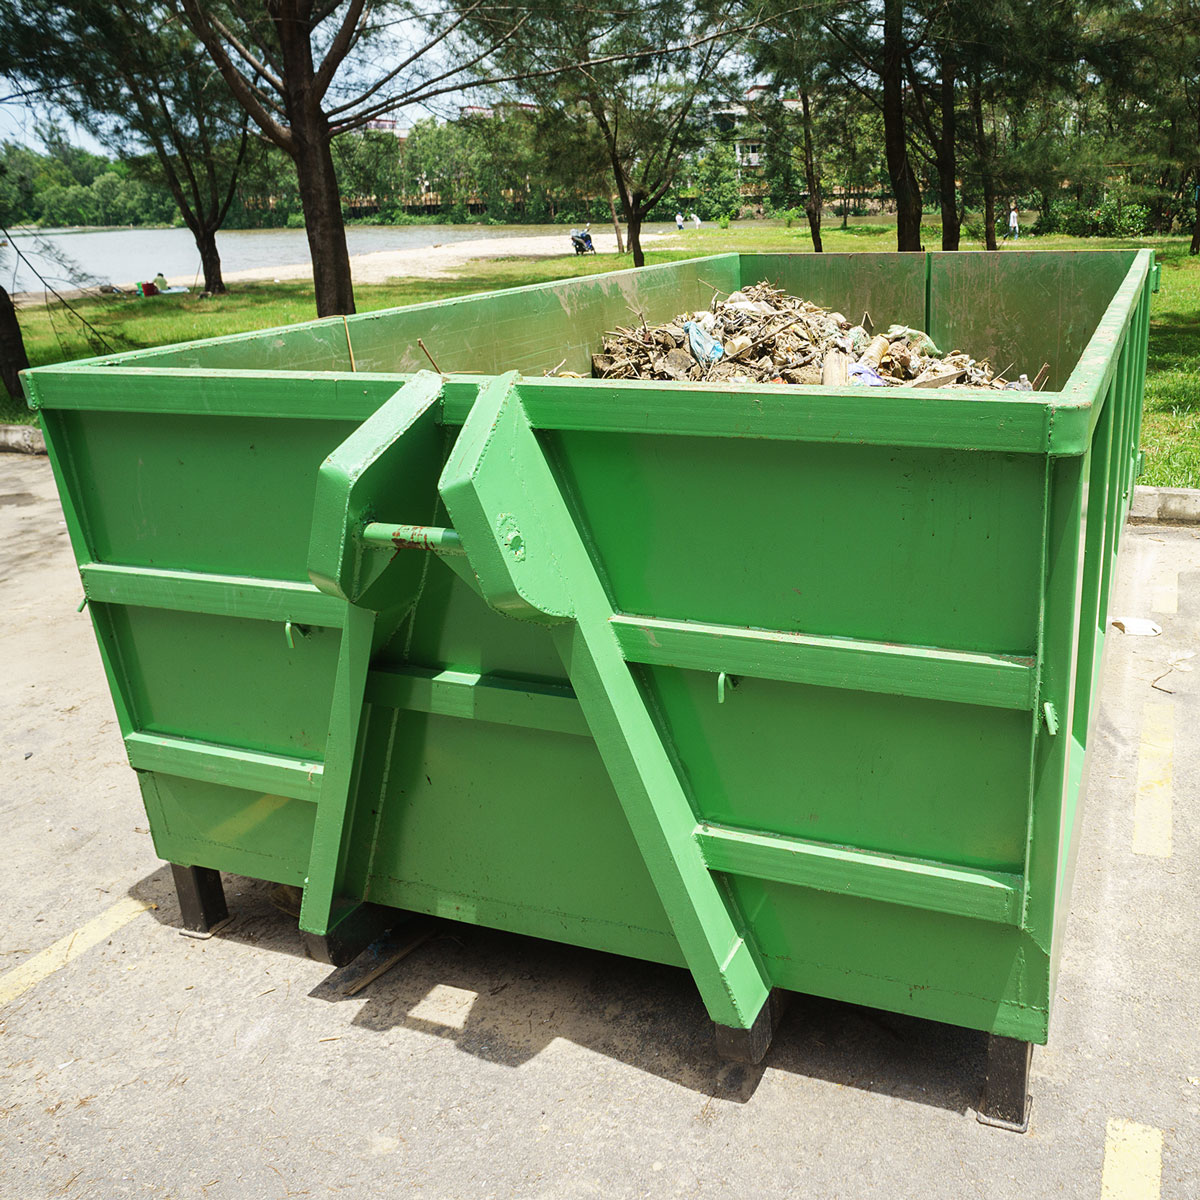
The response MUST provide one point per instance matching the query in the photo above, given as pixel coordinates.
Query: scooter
(582, 241)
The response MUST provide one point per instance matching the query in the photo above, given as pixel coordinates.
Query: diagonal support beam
(531, 562)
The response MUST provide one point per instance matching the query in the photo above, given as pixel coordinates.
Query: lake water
(78, 257)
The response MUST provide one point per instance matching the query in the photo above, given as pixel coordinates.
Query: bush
(295, 220)
(1112, 218)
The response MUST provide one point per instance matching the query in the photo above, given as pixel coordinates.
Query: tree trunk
(616, 226)
(1194, 248)
(210, 260)
(986, 182)
(946, 160)
(812, 180)
(633, 222)
(895, 134)
(326, 231)
(12, 348)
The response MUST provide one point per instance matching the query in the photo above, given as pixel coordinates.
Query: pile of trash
(760, 334)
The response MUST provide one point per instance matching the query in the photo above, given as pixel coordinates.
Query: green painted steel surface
(790, 687)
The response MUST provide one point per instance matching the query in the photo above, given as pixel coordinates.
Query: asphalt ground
(138, 1062)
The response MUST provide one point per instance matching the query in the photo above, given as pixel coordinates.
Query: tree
(794, 47)
(300, 69)
(13, 358)
(129, 71)
(715, 179)
(868, 43)
(639, 75)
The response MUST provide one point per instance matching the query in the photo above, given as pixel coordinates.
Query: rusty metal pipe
(413, 537)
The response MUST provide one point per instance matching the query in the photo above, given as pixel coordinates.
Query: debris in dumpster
(760, 334)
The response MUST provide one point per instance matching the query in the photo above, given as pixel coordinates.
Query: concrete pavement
(138, 1062)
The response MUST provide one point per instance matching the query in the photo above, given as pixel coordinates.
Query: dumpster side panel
(251, 833)
(513, 827)
(190, 530)
(1024, 307)
(924, 778)
(227, 680)
(935, 965)
(230, 496)
(926, 547)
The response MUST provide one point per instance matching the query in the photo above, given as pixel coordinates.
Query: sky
(18, 123)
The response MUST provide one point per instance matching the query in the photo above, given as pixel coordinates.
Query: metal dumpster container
(789, 686)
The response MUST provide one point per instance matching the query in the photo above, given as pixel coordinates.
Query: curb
(22, 439)
(1165, 506)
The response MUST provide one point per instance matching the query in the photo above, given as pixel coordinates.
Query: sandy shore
(439, 261)
(426, 262)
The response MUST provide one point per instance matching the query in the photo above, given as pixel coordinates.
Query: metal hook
(289, 629)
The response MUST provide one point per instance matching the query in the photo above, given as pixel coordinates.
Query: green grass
(1171, 424)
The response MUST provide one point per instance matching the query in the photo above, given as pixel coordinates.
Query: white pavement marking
(1132, 1161)
(43, 964)
(1152, 802)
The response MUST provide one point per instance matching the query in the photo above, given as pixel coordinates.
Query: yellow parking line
(43, 964)
(1152, 802)
(1132, 1162)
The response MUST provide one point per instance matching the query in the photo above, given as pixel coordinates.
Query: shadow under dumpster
(504, 998)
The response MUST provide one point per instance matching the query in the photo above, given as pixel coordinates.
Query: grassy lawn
(1171, 426)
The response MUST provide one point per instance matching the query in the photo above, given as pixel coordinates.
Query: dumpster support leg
(751, 1045)
(1006, 1094)
(201, 897)
(532, 563)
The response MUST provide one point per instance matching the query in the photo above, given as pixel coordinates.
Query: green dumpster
(788, 686)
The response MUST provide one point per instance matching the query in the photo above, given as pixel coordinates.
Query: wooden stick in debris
(1040, 378)
(766, 337)
(349, 347)
(938, 380)
(833, 369)
(429, 356)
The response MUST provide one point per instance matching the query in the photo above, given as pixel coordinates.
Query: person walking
(1013, 224)
(679, 221)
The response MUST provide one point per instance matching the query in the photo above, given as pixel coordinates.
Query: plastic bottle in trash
(704, 347)
(1022, 385)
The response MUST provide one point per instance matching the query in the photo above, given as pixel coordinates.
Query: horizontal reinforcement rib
(963, 677)
(918, 883)
(501, 701)
(220, 595)
(231, 766)
(904, 417)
